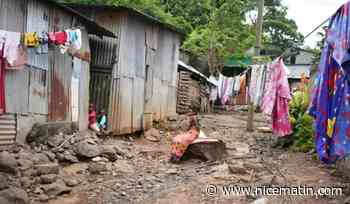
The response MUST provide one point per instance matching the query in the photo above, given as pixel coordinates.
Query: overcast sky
(308, 14)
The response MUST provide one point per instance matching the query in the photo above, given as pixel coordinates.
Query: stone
(25, 164)
(49, 168)
(55, 141)
(71, 182)
(277, 180)
(57, 188)
(260, 201)
(40, 133)
(267, 179)
(97, 167)
(99, 159)
(8, 163)
(87, 150)
(254, 166)
(152, 135)
(206, 149)
(40, 158)
(48, 179)
(4, 181)
(109, 151)
(50, 155)
(237, 168)
(14, 196)
(43, 198)
(69, 157)
(123, 166)
(172, 171)
(184, 125)
(26, 182)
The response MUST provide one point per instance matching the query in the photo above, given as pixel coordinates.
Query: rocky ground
(74, 168)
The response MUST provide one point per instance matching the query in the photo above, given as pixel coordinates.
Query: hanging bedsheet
(257, 83)
(276, 98)
(330, 103)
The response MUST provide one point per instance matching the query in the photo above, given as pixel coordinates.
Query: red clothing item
(2, 83)
(92, 117)
(59, 38)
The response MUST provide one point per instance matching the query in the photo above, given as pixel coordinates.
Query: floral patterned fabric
(330, 103)
(276, 97)
(181, 142)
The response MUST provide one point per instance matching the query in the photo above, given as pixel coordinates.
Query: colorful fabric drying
(330, 104)
(276, 97)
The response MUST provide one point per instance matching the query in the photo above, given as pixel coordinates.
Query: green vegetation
(303, 132)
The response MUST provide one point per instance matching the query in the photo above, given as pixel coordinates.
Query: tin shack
(134, 77)
(52, 87)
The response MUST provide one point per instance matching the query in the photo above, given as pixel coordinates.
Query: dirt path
(149, 178)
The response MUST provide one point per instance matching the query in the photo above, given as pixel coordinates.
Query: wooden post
(259, 29)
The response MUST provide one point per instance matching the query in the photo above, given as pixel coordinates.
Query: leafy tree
(280, 33)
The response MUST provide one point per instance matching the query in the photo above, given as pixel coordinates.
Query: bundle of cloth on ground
(276, 97)
(226, 87)
(330, 105)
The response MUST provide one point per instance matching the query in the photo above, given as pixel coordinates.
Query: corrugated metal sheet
(38, 96)
(8, 129)
(60, 72)
(12, 16)
(16, 91)
(105, 52)
(84, 83)
(100, 87)
(38, 21)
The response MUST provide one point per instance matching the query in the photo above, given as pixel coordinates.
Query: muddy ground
(148, 177)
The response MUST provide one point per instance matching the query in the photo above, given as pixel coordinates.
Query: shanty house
(134, 77)
(52, 87)
(193, 90)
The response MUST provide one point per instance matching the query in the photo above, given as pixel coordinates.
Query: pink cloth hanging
(276, 97)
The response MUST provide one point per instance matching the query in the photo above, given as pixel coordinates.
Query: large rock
(40, 158)
(14, 196)
(87, 150)
(4, 183)
(153, 135)
(49, 168)
(57, 188)
(41, 132)
(8, 163)
(97, 167)
(206, 149)
(109, 152)
(48, 179)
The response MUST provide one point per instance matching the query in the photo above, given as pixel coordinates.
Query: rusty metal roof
(131, 10)
(91, 26)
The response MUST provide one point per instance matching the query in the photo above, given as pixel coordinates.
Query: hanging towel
(58, 38)
(237, 85)
(31, 39)
(228, 90)
(20, 61)
(276, 98)
(220, 85)
(11, 48)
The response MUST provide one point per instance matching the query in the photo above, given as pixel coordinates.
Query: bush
(303, 130)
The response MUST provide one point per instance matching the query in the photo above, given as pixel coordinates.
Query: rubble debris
(48, 178)
(260, 201)
(153, 135)
(97, 167)
(264, 129)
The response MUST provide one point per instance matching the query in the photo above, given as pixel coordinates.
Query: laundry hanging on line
(330, 105)
(276, 98)
(257, 84)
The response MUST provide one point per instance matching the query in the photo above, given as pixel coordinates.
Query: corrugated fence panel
(60, 73)
(84, 86)
(138, 103)
(38, 21)
(38, 97)
(8, 129)
(17, 88)
(12, 16)
(103, 51)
